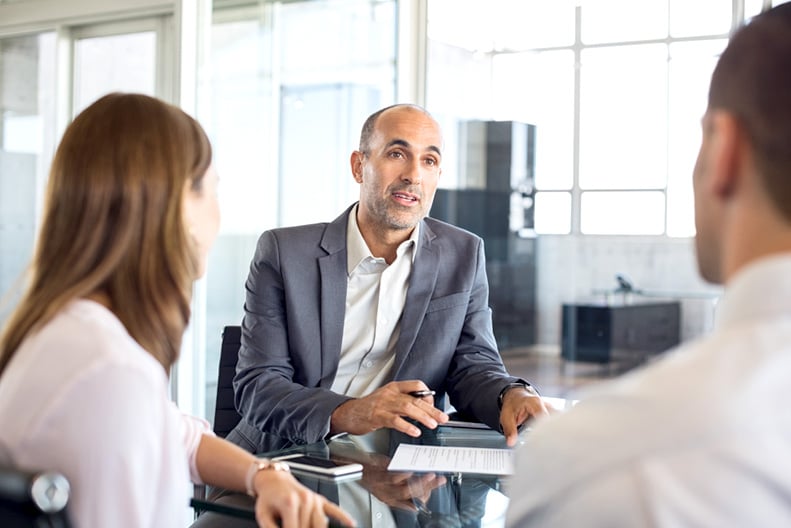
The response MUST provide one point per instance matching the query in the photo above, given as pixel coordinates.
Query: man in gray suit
(345, 321)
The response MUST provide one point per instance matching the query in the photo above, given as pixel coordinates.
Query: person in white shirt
(130, 214)
(700, 438)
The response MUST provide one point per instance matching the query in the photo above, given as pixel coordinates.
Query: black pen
(422, 393)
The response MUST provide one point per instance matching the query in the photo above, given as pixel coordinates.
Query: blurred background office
(571, 129)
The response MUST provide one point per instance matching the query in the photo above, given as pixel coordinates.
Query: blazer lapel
(332, 269)
(418, 295)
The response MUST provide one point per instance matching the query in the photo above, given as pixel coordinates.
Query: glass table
(382, 498)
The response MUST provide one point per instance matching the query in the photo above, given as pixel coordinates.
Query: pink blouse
(82, 397)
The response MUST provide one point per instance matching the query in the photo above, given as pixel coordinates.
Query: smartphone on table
(321, 466)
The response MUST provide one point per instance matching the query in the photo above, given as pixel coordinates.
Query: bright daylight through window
(616, 89)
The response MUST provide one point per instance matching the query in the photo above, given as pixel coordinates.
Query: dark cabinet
(602, 333)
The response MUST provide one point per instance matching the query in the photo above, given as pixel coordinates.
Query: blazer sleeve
(278, 373)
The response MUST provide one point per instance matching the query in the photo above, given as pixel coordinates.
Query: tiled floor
(553, 375)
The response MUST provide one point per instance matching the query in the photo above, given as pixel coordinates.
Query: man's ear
(356, 162)
(727, 141)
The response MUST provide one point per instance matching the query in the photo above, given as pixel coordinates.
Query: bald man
(345, 322)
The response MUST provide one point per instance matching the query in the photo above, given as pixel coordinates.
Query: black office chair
(225, 419)
(225, 415)
(30, 499)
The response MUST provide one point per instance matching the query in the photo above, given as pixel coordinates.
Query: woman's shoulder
(83, 343)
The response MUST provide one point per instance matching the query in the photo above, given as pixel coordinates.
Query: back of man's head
(752, 81)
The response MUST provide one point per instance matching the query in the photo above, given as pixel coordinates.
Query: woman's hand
(281, 498)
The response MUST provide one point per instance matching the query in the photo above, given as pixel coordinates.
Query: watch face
(280, 466)
(261, 465)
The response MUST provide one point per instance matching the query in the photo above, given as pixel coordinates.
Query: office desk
(381, 498)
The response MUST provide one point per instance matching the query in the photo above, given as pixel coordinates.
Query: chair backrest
(31, 499)
(225, 415)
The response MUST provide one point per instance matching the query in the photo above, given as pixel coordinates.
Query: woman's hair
(113, 223)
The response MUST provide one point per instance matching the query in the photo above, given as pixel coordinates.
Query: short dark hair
(752, 80)
(370, 123)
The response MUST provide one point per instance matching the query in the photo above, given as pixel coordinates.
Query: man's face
(398, 175)
(707, 242)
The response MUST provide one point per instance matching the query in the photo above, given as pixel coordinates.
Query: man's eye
(431, 162)
(396, 154)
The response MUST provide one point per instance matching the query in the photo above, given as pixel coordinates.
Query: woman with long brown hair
(130, 214)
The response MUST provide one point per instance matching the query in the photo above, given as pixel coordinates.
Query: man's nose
(413, 172)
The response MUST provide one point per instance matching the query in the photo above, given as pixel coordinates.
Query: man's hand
(519, 404)
(401, 490)
(397, 489)
(388, 406)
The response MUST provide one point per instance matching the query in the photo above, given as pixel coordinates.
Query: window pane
(538, 88)
(452, 103)
(243, 126)
(623, 118)
(752, 8)
(116, 63)
(701, 17)
(27, 75)
(553, 213)
(450, 21)
(325, 95)
(623, 20)
(691, 64)
(520, 24)
(623, 213)
(501, 24)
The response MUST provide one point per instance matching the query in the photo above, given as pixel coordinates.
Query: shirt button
(378, 515)
(368, 364)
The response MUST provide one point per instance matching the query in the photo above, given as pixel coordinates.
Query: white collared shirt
(375, 297)
(700, 438)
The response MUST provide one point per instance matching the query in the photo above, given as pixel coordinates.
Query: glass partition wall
(282, 90)
(26, 141)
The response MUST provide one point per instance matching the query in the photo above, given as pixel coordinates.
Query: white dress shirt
(80, 396)
(375, 297)
(700, 438)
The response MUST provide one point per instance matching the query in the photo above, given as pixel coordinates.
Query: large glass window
(291, 84)
(616, 90)
(27, 72)
(46, 78)
(103, 64)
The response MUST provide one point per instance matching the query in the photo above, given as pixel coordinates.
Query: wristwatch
(260, 465)
(518, 384)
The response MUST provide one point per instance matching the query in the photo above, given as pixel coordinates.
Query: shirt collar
(357, 250)
(761, 290)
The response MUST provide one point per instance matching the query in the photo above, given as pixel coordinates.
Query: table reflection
(382, 498)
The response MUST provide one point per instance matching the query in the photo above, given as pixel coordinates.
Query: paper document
(445, 459)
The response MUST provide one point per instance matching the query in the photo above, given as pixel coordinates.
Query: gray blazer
(293, 325)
